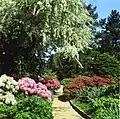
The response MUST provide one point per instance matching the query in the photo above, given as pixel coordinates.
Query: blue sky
(104, 7)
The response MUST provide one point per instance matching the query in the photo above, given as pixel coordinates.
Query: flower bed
(99, 103)
(24, 99)
(82, 82)
(96, 96)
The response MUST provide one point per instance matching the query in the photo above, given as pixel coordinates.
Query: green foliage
(28, 107)
(106, 102)
(107, 66)
(109, 33)
(93, 62)
(106, 114)
(8, 88)
(98, 102)
(89, 94)
(81, 105)
(31, 29)
(87, 60)
(113, 90)
(21, 67)
(103, 65)
(49, 74)
(106, 108)
(65, 81)
(63, 67)
(92, 11)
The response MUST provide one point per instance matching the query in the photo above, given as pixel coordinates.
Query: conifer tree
(110, 33)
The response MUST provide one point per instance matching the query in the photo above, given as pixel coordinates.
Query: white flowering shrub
(8, 87)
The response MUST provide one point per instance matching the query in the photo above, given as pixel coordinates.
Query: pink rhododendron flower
(29, 86)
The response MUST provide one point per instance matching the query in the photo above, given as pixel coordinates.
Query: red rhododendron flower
(51, 83)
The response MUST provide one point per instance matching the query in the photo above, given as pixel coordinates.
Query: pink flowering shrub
(29, 86)
(51, 83)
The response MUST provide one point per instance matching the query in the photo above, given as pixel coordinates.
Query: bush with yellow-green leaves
(8, 88)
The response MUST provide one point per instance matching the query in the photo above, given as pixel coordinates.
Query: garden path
(62, 109)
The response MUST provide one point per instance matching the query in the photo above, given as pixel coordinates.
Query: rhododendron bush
(8, 87)
(51, 83)
(84, 82)
(29, 86)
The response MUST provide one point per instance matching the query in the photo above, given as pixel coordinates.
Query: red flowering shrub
(83, 82)
(51, 83)
(96, 81)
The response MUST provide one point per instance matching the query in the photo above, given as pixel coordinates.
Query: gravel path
(63, 110)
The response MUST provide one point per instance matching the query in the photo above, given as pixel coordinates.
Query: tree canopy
(29, 28)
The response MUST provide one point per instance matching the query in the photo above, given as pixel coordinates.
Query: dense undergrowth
(96, 96)
(26, 98)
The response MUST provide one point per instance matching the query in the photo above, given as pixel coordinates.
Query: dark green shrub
(21, 67)
(64, 68)
(106, 65)
(93, 62)
(103, 65)
(87, 60)
(113, 90)
(28, 107)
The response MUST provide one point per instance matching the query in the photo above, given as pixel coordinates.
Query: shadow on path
(62, 98)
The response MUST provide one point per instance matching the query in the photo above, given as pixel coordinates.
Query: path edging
(80, 112)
